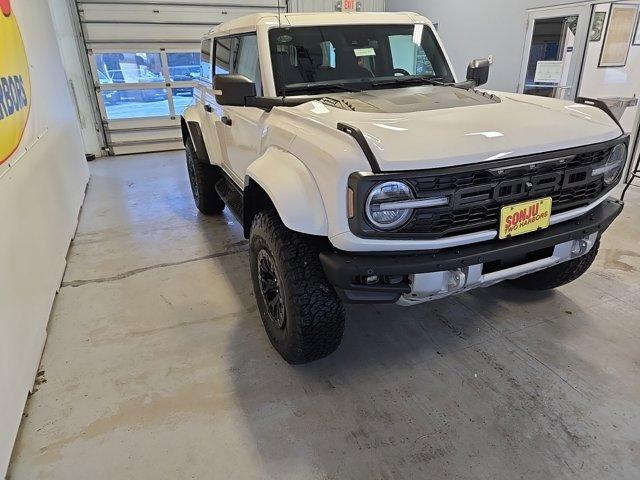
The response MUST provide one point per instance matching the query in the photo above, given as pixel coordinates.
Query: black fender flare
(191, 129)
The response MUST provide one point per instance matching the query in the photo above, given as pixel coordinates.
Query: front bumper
(453, 270)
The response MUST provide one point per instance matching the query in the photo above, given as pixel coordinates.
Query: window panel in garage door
(124, 104)
(129, 82)
(129, 67)
(184, 69)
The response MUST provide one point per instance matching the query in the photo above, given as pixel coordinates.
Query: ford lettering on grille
(477, 195)
(529, 186)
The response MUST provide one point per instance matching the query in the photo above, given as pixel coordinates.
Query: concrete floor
(157, 366)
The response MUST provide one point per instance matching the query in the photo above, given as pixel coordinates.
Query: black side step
(231, 195)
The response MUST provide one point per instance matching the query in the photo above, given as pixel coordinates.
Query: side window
(224, 47)
(246, 60)
(205, 60)
(239, 55)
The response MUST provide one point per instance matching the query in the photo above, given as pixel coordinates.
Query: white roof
(250, 22)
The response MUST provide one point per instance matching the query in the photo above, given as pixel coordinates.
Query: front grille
(477, 196)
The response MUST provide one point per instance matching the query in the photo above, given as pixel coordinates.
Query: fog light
(457, 279)
(394, 279)
(580, 247)
(371, 280)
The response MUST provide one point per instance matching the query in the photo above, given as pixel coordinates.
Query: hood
(434, 126)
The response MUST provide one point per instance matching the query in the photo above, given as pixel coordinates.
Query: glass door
(554, 50)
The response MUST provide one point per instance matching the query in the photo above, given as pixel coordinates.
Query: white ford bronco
(363, 171)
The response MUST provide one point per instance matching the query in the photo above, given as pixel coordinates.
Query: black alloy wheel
(271, 290)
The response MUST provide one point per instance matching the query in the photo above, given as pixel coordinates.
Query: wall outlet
(490, 58)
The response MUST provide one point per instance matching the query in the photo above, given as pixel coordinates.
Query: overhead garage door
(144, 58)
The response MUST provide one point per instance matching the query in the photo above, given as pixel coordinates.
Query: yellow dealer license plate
(525, 217)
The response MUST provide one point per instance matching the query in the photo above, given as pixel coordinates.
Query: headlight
(615, 163)
(382, 217)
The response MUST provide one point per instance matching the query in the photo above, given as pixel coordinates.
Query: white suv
(363, 171)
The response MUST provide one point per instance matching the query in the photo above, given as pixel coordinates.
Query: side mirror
(233, 90)
(478, 71)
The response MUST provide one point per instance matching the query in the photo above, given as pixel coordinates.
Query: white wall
(479, 28)
(41, 190)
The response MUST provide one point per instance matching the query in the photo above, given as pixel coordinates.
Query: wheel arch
(190, 128)
(280, 180)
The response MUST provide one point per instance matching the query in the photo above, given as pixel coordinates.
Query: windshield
(354, 57)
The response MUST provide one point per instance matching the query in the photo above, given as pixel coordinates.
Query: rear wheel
(301, 312)
(559, 275)
(203, 178)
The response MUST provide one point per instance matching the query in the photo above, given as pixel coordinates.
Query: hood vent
(410, 99)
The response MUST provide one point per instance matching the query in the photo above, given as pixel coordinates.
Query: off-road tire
(203, 178)
(313, 314)
(559, 275)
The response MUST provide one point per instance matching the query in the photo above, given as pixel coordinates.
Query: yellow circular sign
(15, 87)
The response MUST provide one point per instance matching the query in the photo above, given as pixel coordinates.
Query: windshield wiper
(315, 87)
(407, 80)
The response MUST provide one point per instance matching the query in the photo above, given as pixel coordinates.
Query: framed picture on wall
(621, 29)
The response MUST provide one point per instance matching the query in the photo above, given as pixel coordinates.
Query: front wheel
(559, 275)
(203, 178)
(301, 312)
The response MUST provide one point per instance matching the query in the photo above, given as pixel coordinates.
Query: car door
(240, 126)
(211, 126)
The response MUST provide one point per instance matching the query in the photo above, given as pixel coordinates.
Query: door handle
(207, 108)
(226, 120)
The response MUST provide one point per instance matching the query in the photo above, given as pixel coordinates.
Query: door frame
(81, 45)
(634, 146)
(584, 11)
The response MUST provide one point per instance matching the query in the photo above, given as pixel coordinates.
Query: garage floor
(157, 366)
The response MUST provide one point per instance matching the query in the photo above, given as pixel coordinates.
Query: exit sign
(349, 5)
